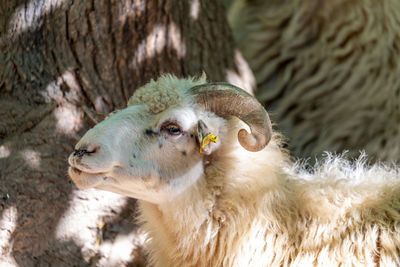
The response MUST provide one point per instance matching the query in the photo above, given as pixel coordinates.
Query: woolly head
(154, 149)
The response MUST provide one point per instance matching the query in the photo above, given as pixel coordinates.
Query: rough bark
(61, 61)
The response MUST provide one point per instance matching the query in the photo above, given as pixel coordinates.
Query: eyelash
(172, 129)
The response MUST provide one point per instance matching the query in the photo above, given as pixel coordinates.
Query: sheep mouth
(84, 171)
(76, 170)
(85, 180)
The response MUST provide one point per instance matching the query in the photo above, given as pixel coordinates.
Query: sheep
(216, 188)
(328, 70)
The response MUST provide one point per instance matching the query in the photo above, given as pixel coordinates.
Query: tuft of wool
(164, 92)
(327, 70)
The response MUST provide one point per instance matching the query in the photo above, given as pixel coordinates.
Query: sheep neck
(190, 225)
(181, 221)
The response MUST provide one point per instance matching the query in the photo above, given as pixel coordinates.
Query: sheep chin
(84, 180)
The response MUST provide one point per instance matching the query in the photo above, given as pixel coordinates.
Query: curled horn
(225, 100)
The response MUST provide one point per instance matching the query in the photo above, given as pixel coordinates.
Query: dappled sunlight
(99, 104)
(53, 92)
(120, 250)
(177, 41)
(86, 209)
(29, 16)
(8, 223)
(195, 9)
(69, 118)
(130, 9)
(69, 78)
(156, 41)
(243, 77)
(31, 157)
(4, 151)
(153, 44)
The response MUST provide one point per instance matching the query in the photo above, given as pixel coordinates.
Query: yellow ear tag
(206, 140)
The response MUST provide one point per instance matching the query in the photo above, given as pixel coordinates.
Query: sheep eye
(172, 129)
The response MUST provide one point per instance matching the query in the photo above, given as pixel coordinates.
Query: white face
(152, 157)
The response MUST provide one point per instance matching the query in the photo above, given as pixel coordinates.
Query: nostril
(81, 152)
(92, 150)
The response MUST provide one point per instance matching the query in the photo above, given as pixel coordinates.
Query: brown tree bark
(60, 61)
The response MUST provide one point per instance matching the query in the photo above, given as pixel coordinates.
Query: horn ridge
(225, 100)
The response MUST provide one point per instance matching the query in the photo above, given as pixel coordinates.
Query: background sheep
(328, 70)
(228, 206)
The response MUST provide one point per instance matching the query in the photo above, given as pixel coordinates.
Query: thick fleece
(259, 209)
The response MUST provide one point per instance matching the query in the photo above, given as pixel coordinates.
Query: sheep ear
(205, 138)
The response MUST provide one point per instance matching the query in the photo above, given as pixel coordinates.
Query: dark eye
(172, 129)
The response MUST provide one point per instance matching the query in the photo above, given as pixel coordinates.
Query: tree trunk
(61, 61)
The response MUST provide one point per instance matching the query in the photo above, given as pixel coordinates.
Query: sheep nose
(85, 151)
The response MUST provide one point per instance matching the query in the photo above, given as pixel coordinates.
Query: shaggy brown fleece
(328, 71)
